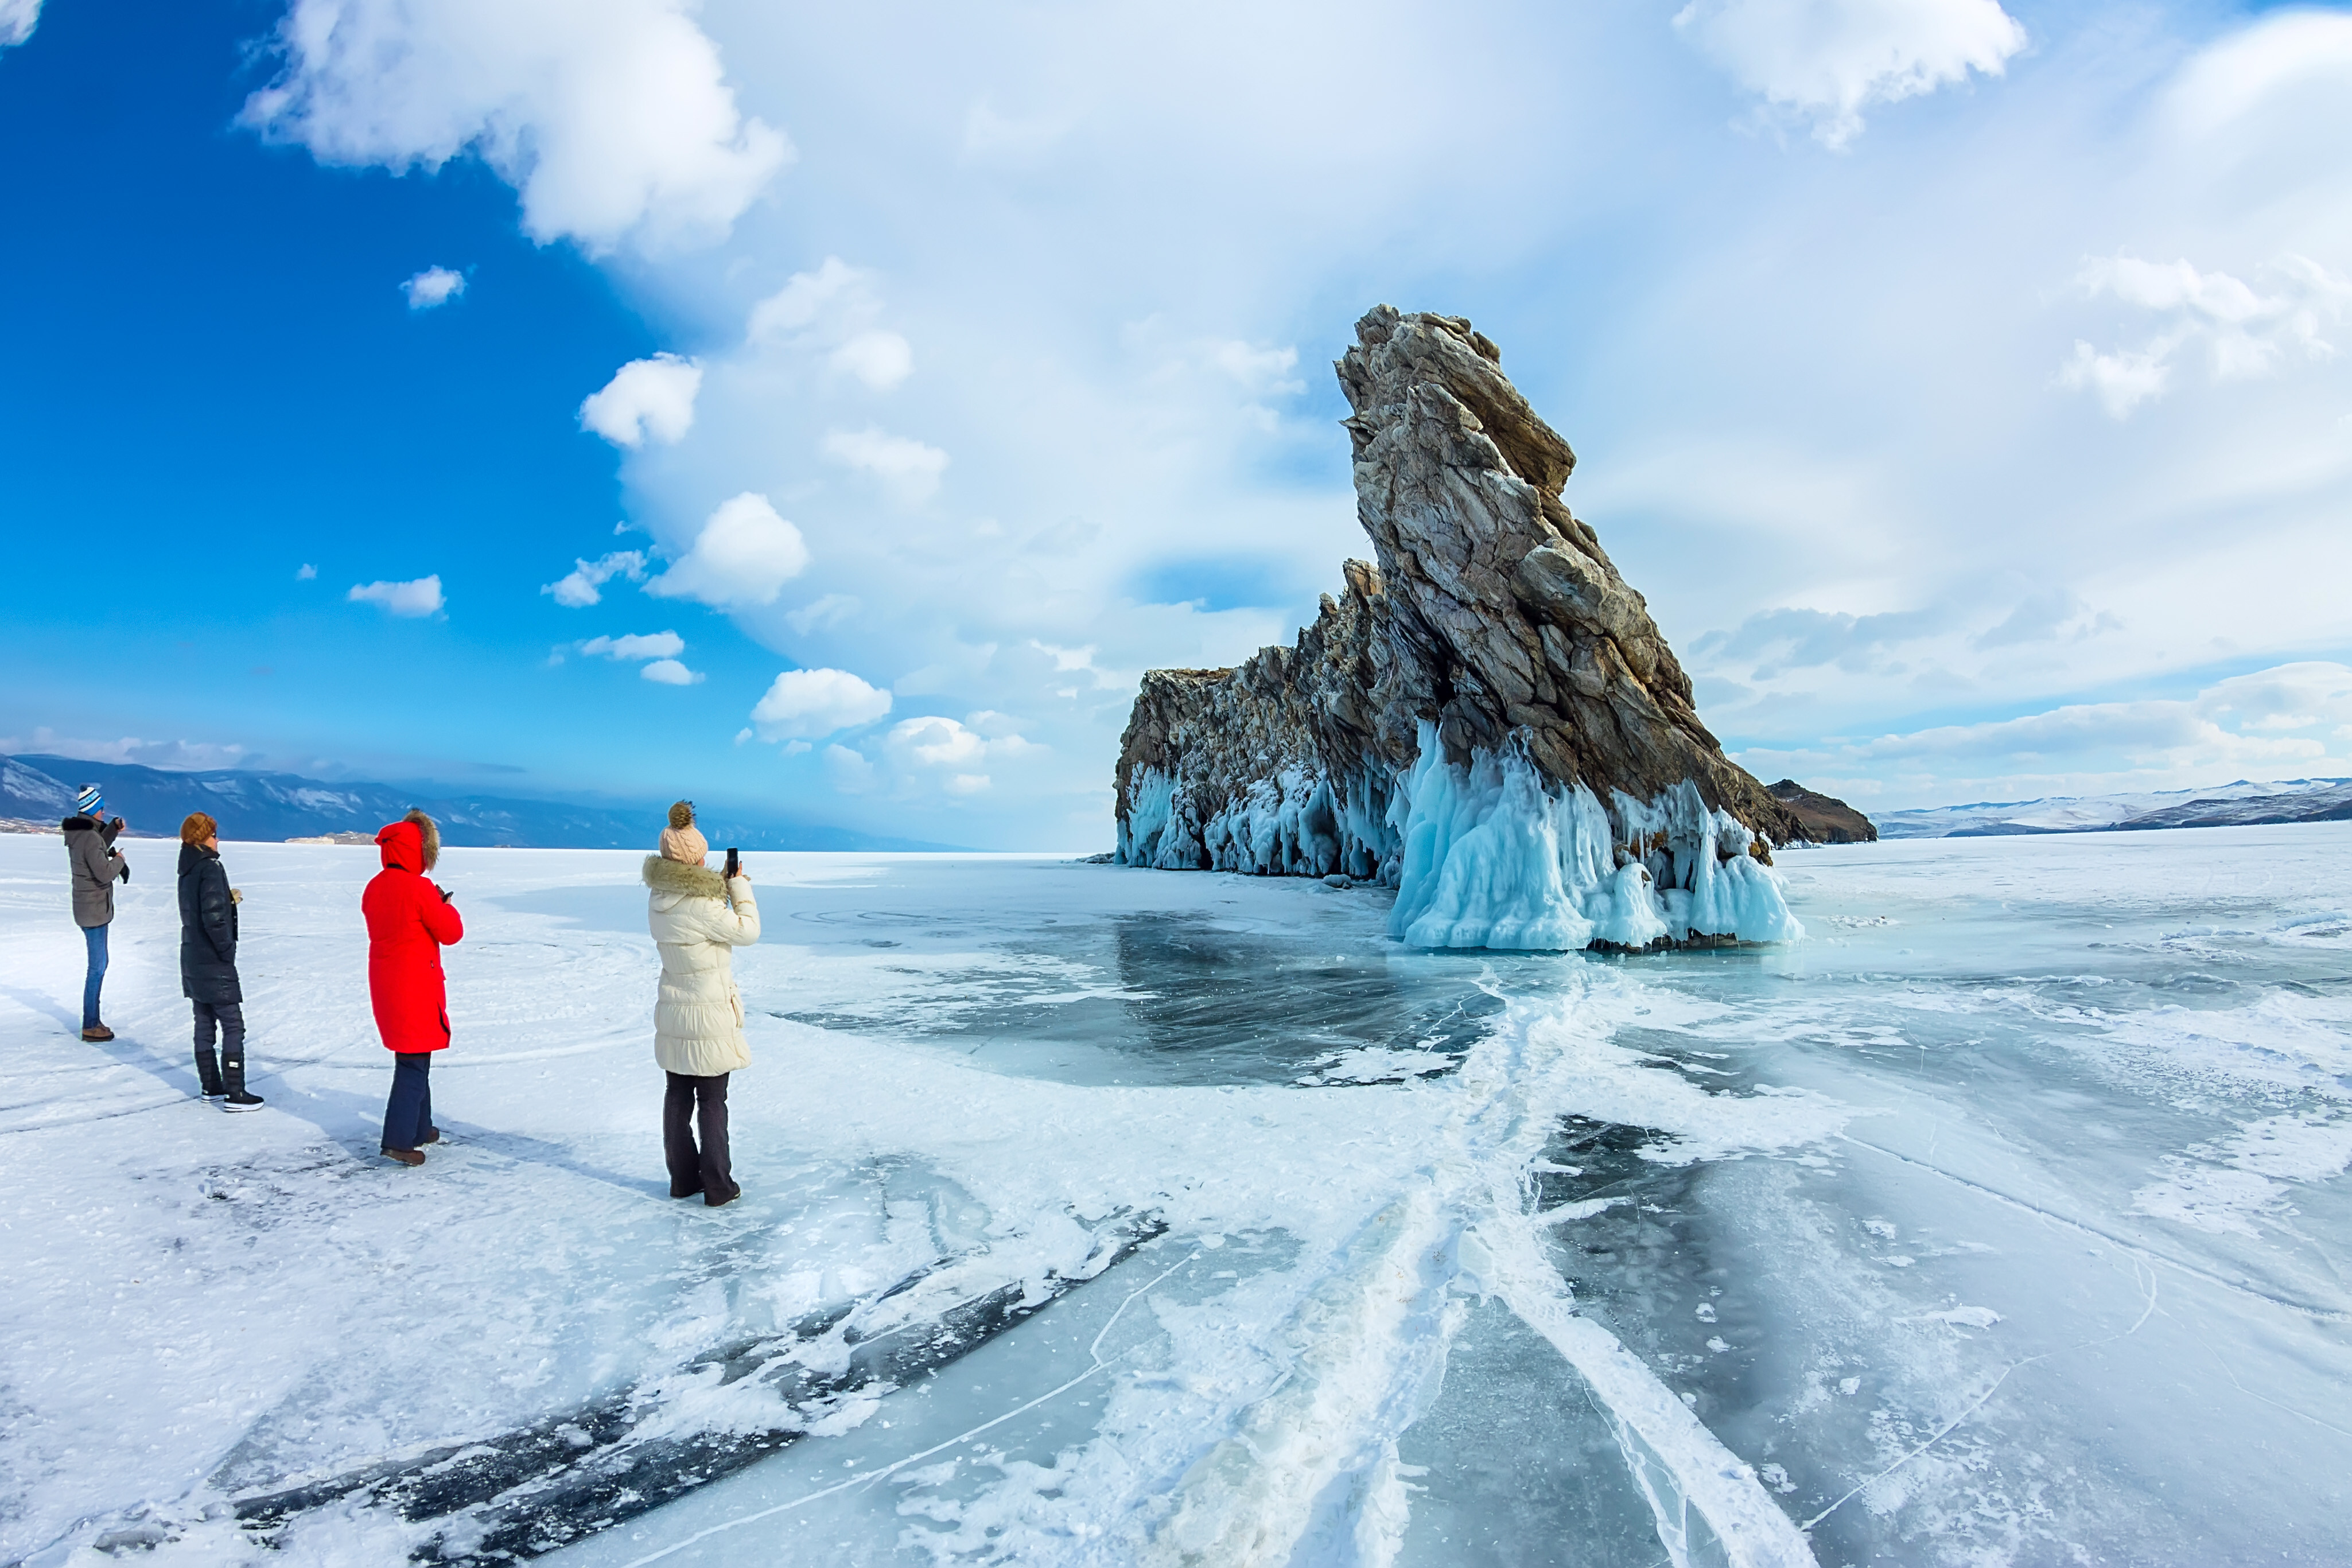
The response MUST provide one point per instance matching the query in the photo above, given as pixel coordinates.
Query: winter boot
(208, 1073)
(98, 1032)
(405, 1156)
(232, 1080)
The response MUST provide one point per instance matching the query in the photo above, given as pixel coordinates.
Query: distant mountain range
(2241, 804)
(271, 806)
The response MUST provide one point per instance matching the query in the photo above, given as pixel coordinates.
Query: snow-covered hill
(2225, 805)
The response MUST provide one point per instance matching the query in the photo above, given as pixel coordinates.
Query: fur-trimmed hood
(683, 881)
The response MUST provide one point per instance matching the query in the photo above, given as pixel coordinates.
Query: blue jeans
(96, 936)
(409, 1114)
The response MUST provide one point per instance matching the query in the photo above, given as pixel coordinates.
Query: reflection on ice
(1165, 998)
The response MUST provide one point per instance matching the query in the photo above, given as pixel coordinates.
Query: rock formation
(1825, 819)
(1488, 721)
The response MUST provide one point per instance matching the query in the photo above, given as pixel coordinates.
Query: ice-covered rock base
(1487, 854)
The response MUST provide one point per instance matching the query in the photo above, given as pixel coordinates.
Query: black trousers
(226, 1018)
(408, 1110)
(707, 1170)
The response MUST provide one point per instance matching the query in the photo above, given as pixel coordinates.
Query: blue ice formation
(1485, 856)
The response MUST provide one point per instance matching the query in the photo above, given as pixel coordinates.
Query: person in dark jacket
(208, 963)
(409, 921)
(97, 865)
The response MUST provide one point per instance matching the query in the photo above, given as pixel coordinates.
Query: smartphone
(734, 863)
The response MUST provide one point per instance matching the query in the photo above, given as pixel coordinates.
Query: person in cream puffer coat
(698, 919)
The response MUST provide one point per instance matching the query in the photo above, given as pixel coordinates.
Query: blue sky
(1961, 385)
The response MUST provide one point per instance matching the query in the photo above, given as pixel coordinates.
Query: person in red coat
(409, 921)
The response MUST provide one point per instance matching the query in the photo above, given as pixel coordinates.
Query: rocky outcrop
(1487, 720)
(1825, 819)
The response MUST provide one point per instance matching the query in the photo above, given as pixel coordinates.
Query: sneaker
(243, 1100)
(405, 1156)
(98, 1032)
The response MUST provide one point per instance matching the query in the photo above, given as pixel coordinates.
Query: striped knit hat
(89, 802)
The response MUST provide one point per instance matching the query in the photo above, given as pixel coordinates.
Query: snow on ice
(1093, 1216)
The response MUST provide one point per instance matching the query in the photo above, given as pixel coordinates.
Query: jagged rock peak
(1495, 658)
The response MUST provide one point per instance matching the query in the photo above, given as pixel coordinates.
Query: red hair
(197, 828)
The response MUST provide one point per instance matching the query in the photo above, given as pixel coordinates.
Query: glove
(125, 872)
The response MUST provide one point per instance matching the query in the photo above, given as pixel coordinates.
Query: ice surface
(1097, 1216)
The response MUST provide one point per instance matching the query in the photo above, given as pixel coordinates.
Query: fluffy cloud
(306, 572)
(880, 360)
(2246, 333)
(660, 649)
(649, 646)
(1827, 60)
(612, 117)
(809, 704)
(646, 397)
(907, 469)
(743, 557)
(581, 587)
(831, 312)
(836, 292)
(17, 20)
(421, 596)
(433, 285)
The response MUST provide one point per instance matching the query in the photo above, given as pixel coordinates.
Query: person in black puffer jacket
(208, 964)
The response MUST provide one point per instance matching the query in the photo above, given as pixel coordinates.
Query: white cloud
(421, 596)
(831, 312)
(743, 556)
(649, 646)
(646, 397)
(2276, 723)
(822, 614)
(1260, 372)
(934, 743)
(578, 587)
(307, 573)
(1827, 60)
(907, 469)
(17, 20)
(2122, 380)
(836, 292)
(2247, 334)
(173, 756)
(433, 285)
(809, 704)
(613, 118)
(880, 360)
(671, 673)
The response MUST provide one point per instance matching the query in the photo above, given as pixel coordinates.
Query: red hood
(403, 844)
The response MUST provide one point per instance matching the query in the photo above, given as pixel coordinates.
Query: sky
(831, 410)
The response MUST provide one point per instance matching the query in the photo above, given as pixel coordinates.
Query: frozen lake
(1102, 1216)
